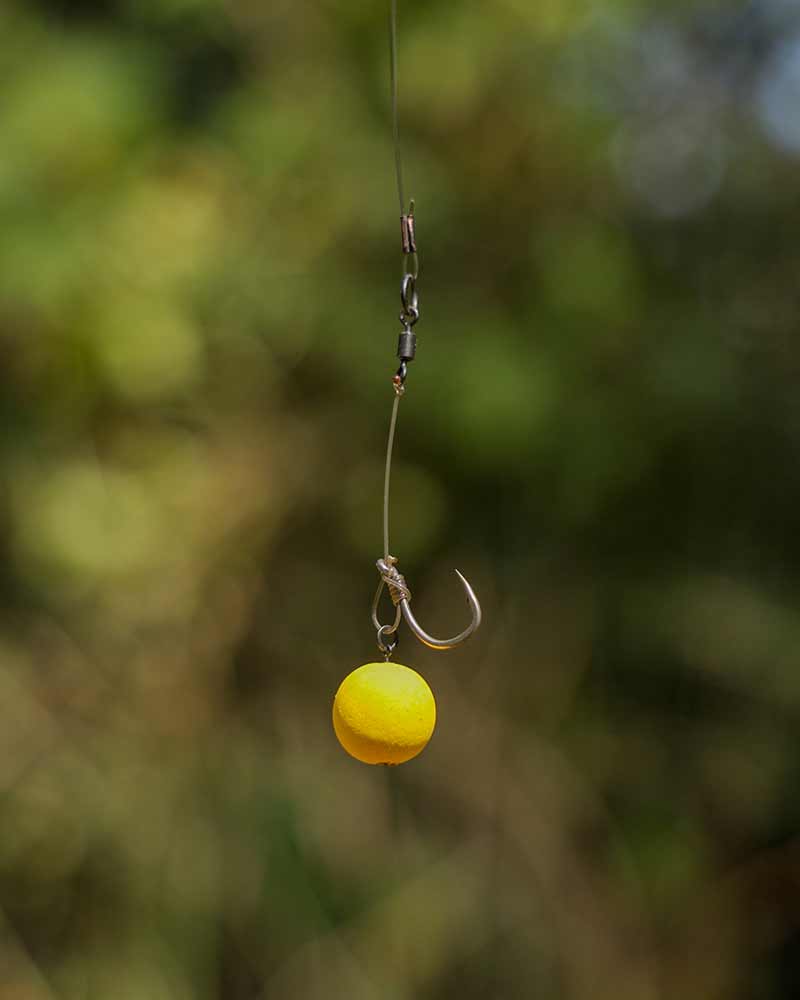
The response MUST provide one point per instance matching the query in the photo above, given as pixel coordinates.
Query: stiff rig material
(385, 713)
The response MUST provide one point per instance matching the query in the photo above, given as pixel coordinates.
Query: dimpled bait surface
(384, 713)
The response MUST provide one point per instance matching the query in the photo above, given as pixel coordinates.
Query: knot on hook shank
(394, 580)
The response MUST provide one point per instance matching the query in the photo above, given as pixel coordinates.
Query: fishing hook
(394, 580)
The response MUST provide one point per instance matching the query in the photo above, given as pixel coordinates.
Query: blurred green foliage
(198, 291)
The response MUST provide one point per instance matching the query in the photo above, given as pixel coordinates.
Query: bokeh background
(199, 275)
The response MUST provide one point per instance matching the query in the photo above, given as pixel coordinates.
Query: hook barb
(401, 596)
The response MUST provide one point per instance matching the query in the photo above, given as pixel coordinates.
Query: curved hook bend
(401, 596)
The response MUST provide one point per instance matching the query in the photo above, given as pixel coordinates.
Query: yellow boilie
(384, 713)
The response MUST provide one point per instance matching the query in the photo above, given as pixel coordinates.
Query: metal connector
(407, 345)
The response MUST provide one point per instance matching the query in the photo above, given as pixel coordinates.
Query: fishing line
(385, 713)
(393, 71)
